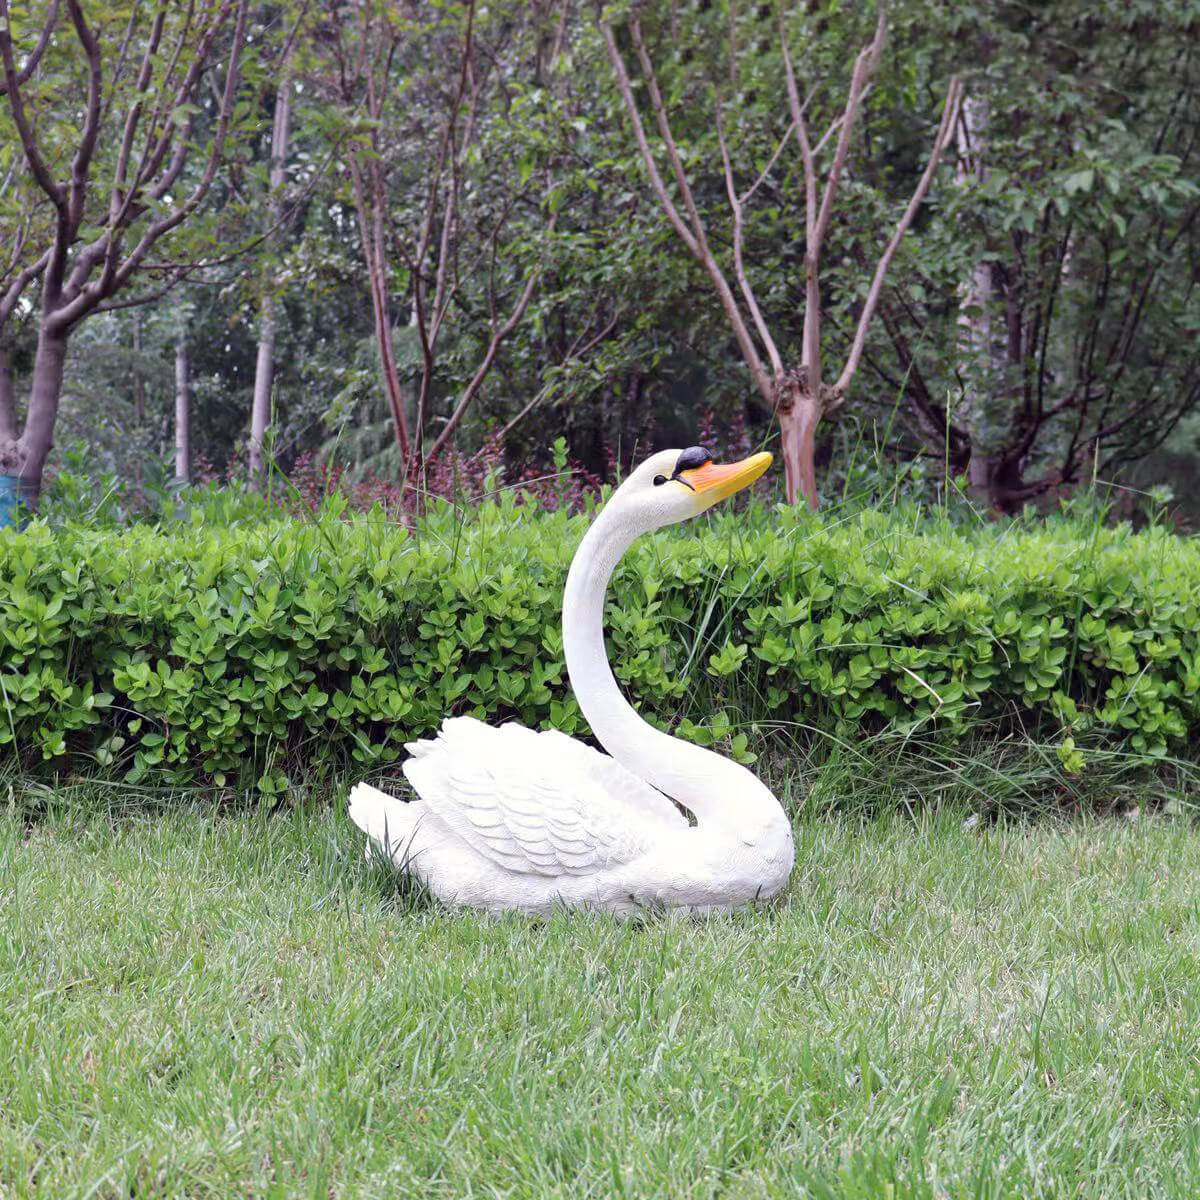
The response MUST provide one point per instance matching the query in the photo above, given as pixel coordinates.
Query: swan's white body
(509, 818)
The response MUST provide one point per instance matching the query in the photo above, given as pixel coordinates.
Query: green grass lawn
(242, 1006)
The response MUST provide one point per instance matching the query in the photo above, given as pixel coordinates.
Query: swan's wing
(621, 784)
(536, 803)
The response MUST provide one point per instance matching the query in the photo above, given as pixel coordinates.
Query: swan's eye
(659, 480)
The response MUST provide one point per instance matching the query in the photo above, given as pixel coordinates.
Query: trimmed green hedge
(228, 654)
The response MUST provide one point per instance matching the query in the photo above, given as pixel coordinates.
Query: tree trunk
(975, 337)
(183, 411)
(33, 448)
(139, 389)
(997, 481)
(799, 412)
(981, 344)
(8, 416)
(139, 384)
(264, 371)
(370, 231)
(381, 313)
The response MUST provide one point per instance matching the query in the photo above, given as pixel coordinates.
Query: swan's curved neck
(718, 791)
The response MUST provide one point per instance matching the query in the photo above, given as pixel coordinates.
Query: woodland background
(415, 242)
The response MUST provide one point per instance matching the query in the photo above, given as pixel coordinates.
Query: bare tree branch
(748, 194)
(694, 238)
(33, 155)
(18, 245)
(574, 352)
(639, 132)
(664, 129)
(177, 272)
(442, 292)
(115, 276)
(119, 69)
(9, 300)
(156, 145)
(31, 63)
(429, 325)
(497, 340)
(810, 348)
(175, 276)
(836, 125)
(736, 206)
(359, 78)
(798, 395)
(165, 224)
(949, 117)
(864, 68)
(107, 246)
(377, 280)
(121, 194)
(91, 123)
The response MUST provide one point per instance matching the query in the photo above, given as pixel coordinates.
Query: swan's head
(674, 485)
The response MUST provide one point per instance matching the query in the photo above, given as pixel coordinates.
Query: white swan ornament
(512, 819)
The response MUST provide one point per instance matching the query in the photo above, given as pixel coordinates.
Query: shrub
(224, 655)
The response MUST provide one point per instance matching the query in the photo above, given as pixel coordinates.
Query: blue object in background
(10, 501)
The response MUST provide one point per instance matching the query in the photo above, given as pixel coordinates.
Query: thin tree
(138, 131)
(800, 394)
(183, 400)
(264, 370)
(462, 248)
(363, 42)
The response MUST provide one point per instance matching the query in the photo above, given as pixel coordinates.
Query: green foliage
(79, 496)
(1074, 218)
(1081, 215)
(233, 655)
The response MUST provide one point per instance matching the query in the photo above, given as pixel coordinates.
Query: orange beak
(716, 482)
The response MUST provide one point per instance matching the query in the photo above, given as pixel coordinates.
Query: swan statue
(513, 819)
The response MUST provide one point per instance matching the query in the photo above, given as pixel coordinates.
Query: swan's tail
(388, 822)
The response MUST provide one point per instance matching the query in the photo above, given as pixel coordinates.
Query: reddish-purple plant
(456, 477)
(564, 483)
